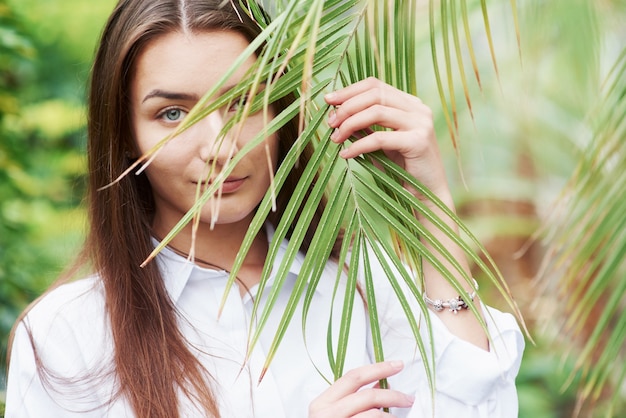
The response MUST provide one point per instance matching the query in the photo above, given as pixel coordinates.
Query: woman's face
(170, 75)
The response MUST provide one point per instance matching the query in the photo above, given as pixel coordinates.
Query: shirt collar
(177, 270)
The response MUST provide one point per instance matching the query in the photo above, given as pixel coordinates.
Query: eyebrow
(171, 95)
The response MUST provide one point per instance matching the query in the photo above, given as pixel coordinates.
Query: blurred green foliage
(45, 54)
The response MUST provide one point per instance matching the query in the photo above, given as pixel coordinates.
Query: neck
(217, 247)
(197, 260)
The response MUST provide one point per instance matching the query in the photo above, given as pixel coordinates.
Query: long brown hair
(152, 360)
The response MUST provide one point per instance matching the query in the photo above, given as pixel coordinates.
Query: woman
(146, 342)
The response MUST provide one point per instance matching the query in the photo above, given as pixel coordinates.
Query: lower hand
(349, 396)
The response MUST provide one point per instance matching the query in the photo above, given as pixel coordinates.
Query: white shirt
(70, 329)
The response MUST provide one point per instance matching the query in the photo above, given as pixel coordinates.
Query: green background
(516, 155)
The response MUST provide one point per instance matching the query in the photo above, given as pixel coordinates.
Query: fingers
(373, 90)
(349, 396)
(402, 143)
(369, 401)
(371, 102)
(361, 376)
(373, 413)
(381, 103)
(409, 140)
(348, 123)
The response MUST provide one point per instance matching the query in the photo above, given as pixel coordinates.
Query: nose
(214, 146)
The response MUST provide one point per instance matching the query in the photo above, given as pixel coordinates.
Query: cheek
(275, 152)
(169, 164)
(253, 126)
(144, 137)
(270, 151)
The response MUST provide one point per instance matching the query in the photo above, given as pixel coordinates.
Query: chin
(226, 217)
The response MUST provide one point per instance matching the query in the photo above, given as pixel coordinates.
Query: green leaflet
(589, 247)
(340, 42)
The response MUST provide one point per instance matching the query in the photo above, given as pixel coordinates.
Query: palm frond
(589, 247)
(308, 46)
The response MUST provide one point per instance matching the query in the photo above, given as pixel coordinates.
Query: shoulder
(61, 353)
(81, 297)
(73, 311)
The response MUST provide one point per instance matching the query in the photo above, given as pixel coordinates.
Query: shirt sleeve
(27, 396)
(468, 380)
(53, 369)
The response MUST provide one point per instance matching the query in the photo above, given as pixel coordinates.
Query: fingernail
(330, 97)
(331, 118)
(396, 364)
(410, 399)
(335, 134)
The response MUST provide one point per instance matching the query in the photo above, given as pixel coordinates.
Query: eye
(238, 103)
(172, 114)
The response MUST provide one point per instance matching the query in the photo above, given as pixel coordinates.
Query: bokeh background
(529, 127)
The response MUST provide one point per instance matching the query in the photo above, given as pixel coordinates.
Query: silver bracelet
(454, 305)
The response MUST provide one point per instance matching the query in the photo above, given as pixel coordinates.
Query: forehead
(188, 61)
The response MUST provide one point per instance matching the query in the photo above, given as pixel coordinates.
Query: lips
(230, 185)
